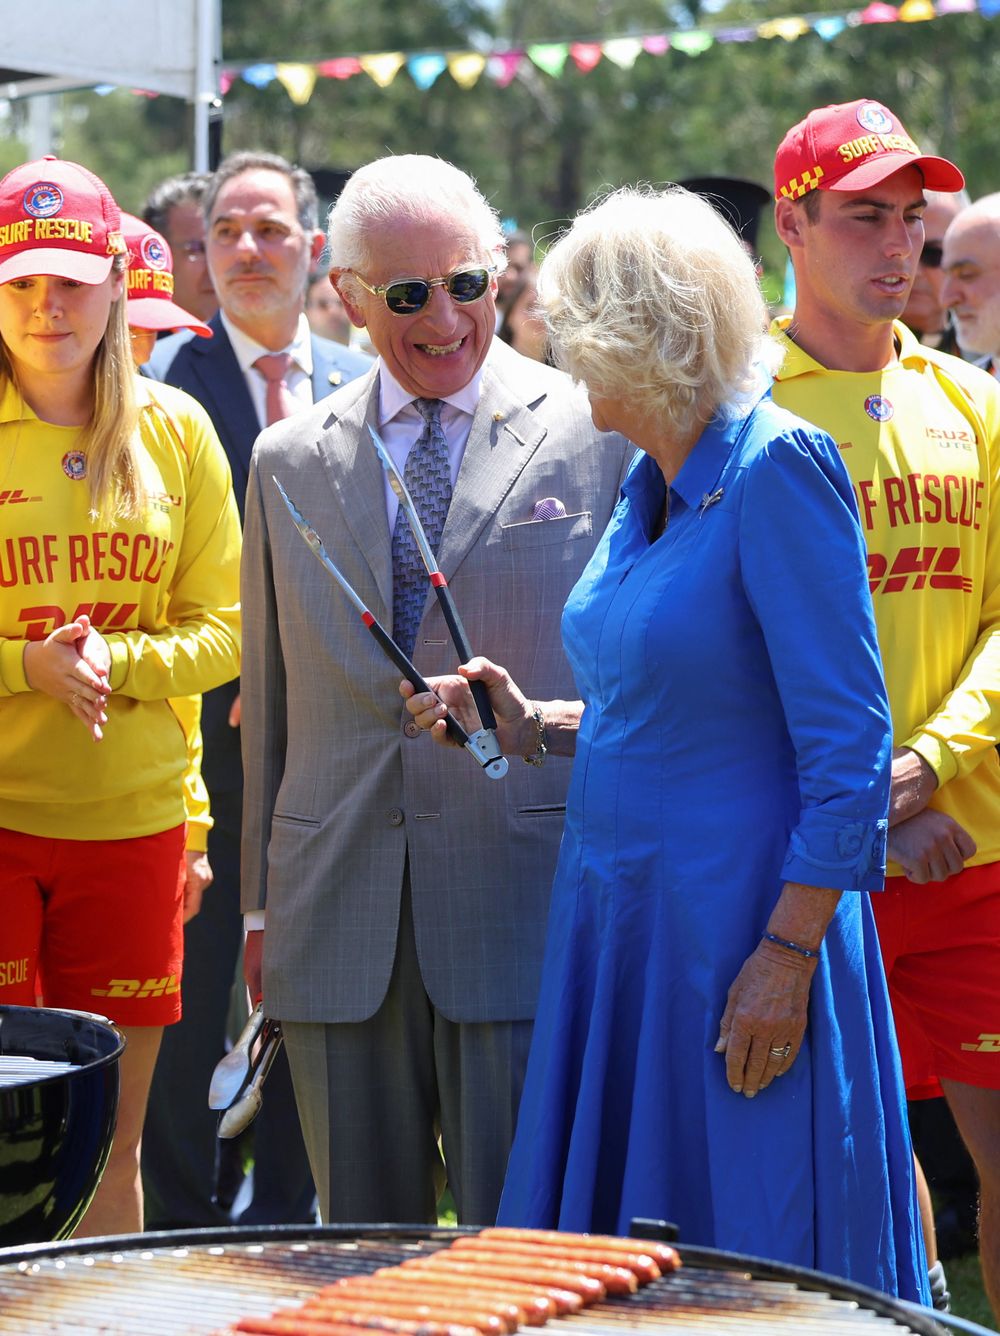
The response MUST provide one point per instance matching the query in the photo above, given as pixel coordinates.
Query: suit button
(412, 729)
(395, 816)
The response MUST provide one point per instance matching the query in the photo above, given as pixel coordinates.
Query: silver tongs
(481, 745)
(238, 1079)
(486, 737)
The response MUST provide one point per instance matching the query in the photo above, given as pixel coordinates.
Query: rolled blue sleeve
(805, 573)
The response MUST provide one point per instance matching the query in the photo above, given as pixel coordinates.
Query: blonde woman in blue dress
(713, 1042)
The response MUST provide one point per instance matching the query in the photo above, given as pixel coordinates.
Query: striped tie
(427, 475)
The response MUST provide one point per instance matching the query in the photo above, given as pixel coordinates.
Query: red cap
(851, 146)
(150, 276)
(56, 218)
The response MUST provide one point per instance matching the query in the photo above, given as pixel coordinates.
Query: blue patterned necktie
(427, 475)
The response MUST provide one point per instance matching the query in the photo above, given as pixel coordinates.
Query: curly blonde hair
(650, 297)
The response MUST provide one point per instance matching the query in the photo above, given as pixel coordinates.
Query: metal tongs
(238, 1079)
(481, 745)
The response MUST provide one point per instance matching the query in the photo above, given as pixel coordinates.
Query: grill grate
(180, 1284)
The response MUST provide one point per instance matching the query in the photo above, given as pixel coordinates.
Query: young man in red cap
(918, 432)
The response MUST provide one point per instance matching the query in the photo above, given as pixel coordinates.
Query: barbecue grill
(201, 1282)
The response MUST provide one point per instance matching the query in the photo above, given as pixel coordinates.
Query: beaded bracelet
(791, 946)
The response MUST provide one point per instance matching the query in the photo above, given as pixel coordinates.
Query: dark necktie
(427, 475)
(279, 403)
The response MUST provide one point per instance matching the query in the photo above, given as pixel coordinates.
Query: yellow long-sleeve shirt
(921, 441)
(163, 590)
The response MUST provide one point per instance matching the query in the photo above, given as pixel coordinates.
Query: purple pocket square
(549, 508)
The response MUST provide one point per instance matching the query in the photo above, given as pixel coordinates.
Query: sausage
(291, 1322)
(588, 1288)
(642, 1265)
(615, 1279)
(564, 1301)
(345, 1306)
(534, 1307)
(393, 1283)
(666, 1257)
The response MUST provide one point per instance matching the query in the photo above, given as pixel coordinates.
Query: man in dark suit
(261, 365)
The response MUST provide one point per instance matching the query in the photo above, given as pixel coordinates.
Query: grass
(967, 1297)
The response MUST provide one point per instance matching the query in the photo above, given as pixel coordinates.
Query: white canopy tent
(160, 46)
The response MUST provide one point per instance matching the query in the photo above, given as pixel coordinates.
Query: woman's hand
(766, 1010)
(516, 731)
(72, 665)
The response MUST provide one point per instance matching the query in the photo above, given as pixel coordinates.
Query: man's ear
(789, 222)
(341, 281)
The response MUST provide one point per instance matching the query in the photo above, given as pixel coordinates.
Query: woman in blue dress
(713, 1042)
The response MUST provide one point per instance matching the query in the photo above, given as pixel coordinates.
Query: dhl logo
(16, 497)
(987, 1043)
(125, 988)
(930, 566)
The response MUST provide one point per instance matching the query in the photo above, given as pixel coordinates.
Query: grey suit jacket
(338, 792)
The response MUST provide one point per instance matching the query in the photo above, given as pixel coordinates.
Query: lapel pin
(709, 499)
(335, 377)
(497, 417)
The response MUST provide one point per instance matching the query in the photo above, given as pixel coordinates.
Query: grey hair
(185, 188)
(252, 160)
(651, 297)
(414, 187)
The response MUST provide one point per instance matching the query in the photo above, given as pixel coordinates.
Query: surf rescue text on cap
(150, 278)
(851, 146)
(57, 218)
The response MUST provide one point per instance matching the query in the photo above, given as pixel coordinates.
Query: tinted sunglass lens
(469, 285)
(408, 297)
(930, 256)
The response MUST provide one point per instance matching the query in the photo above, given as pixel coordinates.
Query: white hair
(651, 297)
(411, 187)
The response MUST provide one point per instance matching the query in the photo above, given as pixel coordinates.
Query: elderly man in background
(261, 365)
(971, 265)
(403, 898)
(926, 312)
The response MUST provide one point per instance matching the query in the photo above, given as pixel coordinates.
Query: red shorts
(941, 948)
(98, 923)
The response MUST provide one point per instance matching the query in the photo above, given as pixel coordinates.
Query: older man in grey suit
(396, 897)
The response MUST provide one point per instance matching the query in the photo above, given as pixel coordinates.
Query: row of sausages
(486, 1284)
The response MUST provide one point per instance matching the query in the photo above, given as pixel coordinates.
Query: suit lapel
(224, 393)
(355, 475)
(505, 435)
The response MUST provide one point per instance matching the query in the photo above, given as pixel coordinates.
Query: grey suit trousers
(375, 1095)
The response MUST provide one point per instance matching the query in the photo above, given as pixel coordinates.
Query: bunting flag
(581, 55)
(298, 82)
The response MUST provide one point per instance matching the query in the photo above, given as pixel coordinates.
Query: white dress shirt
(400, 425)
(298, 378)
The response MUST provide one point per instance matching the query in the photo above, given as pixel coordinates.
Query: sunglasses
(407, 296)
(930, 256)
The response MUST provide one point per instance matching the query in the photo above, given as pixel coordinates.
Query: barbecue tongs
(482, 744)
(238, 1079)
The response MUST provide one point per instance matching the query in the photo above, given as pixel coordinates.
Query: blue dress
(735, 736)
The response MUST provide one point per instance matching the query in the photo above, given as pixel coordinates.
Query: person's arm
(965, 726)
(803, 567)
(200, 646)
(262, 696)
(197, 807)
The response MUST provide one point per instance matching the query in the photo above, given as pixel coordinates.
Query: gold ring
(75, 698)
(781, 1053)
